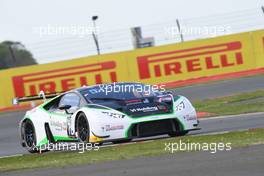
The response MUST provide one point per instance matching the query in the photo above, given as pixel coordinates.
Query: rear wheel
(82, 128)
(29, 136)
(178, 132)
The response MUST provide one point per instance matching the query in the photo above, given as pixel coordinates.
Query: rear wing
(41, 96)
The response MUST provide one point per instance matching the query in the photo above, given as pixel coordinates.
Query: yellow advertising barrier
(258, 46)
(63, 76)
(155, 65)
(193, 59)
(2, 91)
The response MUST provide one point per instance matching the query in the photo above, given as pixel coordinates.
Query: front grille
(152, 128)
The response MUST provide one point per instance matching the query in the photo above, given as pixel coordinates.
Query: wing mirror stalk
(66, 108)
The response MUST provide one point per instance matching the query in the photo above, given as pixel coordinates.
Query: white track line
(9, 156)
(231, 116)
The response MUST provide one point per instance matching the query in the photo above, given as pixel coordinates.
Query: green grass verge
(151, 148)
(236, 104)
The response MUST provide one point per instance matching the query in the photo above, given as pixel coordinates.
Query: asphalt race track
(222, 88)
(9, 137)
(237, 162)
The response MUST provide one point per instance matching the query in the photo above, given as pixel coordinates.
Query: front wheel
(29, 136)
(82, 128)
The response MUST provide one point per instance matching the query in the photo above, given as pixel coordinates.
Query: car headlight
(114, 115)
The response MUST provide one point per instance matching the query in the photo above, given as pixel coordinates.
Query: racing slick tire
(29, 136)
(178, 131)
(82, 128)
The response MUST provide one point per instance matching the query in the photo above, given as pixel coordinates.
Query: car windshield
(124, 91)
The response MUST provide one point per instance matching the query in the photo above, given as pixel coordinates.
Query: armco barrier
(170, 64)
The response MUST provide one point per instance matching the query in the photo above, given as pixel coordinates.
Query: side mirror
(168, 92)
(66, 108)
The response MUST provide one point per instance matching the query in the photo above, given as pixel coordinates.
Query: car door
(60, 118)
